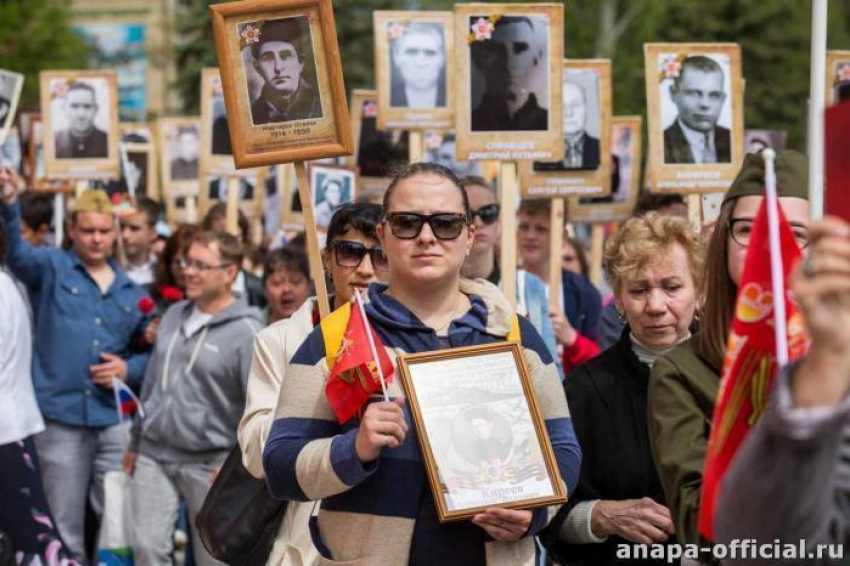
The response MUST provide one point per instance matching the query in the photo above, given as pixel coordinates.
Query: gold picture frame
(486, 125)
(671, 164)
(97, 91)
(466, 440)
(315, 123)
(411, 42)
(586, 83)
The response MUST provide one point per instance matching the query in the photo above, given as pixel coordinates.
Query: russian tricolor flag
(126, 401)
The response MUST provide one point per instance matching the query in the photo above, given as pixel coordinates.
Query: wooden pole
(556, 244)
(597, 241)
(59, 217)
(416, 146)
(317, 271)
(231, 219)
(191, 210)
(508, 253)
(81, 187)
(817, 98)
(695, 210)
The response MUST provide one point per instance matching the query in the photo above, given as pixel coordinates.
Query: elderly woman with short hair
(654, 266)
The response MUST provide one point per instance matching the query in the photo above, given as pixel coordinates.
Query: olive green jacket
(682, 391)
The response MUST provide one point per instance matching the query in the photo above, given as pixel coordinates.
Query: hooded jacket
(194, 390)
(382, 512)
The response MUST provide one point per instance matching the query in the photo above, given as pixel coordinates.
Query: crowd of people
(225, 352)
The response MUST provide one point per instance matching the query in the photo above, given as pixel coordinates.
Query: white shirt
(142, 274)
(700, 142)
(421, 98)
(197, 320)
(19, 414)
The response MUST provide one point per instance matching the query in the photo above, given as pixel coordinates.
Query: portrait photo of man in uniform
(418, 66)
(510, 76)
(77, 135)
(283, 57)
(698, 93)
(9, 87)
(185, 147)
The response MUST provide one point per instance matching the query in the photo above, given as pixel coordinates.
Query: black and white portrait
(283, 60)
(622, 138)
(378, 152)
(217, 188)
(417, 64)
(220, 131)
(184, 148)
(582, 120)
(135, 173)
(332, 188)
(10, 150)
(10, 91)
(440, 149)
(696, 108)
(509, 74)
(80, 117)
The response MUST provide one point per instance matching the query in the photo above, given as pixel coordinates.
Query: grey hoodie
(193, 410)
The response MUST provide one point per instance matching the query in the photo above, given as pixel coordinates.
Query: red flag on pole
(354, 376)
(750, 365)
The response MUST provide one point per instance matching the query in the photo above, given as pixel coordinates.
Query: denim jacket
(74, 323)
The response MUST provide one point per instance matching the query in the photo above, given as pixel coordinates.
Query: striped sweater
(382, 512)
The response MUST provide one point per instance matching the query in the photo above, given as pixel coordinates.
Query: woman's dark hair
(177, 244)
(404, 172)
(218, 212)
(580, 255)
(363, 217)
(290, 259)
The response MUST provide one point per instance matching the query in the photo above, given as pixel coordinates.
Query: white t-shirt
(197, 319)
(19, 414)
(142, 274)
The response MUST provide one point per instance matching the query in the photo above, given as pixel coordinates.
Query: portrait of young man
(81, 139)
(418, 66)
(186, 148)
(283, 57)
(507, 65)
(698, 93)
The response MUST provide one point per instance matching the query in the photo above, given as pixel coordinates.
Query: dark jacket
(305, 104)
(254, 289)
(589, 157)
(491, 115)
(93, 146)
(582, 304)
(678, 150)
(607, 399)
(398, 98)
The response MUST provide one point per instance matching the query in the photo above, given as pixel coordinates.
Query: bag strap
(333, 329)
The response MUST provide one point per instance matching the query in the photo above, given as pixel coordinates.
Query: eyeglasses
(351, 254)
(408, 225)
(488, 213)
(202, 267)
(741, 229)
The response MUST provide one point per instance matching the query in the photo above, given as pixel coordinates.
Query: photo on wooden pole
(35, 162)
(10, 92)
(837, 76)
(179, 141)
(585, 168)
(139, 173)
(440, 149)
(216, 152)
(214, 189)
(80, 115)
(508, 103)
(414, 69)
(695, 111)
(376, 153)
(331, 187)
(10, 150)
(625, 177)
(282, 80)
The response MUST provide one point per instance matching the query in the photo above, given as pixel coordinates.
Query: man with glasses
(482, 261)
(353, 259)
(193, 396)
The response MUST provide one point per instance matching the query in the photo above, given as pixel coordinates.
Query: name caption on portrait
(696, 180)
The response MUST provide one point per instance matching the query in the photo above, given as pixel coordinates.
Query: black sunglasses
(408, 225)
(350, 254)
(488, 213)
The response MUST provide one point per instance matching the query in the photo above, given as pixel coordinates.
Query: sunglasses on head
(408, 225)
(488, 213)
(350, 254)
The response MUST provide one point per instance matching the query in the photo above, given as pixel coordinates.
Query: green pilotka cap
(94, 200)
(792, 176)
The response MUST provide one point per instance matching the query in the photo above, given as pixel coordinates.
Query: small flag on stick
(126, 401)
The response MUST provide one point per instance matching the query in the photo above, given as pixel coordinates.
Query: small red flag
(354, 375)
(750, 365)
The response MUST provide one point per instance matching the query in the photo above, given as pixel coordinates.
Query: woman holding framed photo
(377, 507)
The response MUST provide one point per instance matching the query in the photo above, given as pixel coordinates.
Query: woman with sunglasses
(377, 506)
(684, 382)
(354, 259)
(482, 261)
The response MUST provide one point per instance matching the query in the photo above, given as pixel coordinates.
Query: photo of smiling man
(282, 56)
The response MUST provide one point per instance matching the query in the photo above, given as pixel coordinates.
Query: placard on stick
(10, 92)
(180, 144)
(837, 74)
(375, 152)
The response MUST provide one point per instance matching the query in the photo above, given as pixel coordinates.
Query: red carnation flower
(146, 305)
(171, 294)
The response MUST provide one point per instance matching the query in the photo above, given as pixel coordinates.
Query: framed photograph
(483, 440)
(214, 188)
(38, 178)
(139, 173)
(376, 153)
(136, 132)
(282, 80)
(291, 213)
(757, 140)
(586, 165)
(216, 153)
(695, 115)
(440, 148)
(10, 92)
(80, 114)
(180, 143)
(414, 69)
(837, 76)
(332, 186)
(10, 150)
(508, 103)
(625, 177)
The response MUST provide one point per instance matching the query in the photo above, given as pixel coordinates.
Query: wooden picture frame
(486, 127)
(315, 125)
(466, 435)
(375, 152)
(146, 169)
(93, 98)
(214, 188)
(291, 213)
(587, 107)
(216, 151)
(413, 43)
(38, 180)
(10, 93)
(626, 140)
(344, 181)
(179, 171)
(672, 166)
(837, 72)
